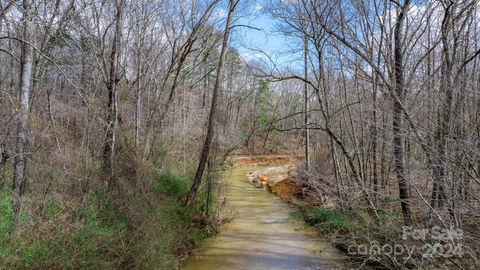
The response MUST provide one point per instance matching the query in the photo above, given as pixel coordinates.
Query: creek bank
(281, 180)
(264, 160)
(280, 177)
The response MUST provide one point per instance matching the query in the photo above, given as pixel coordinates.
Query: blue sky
(250, 42)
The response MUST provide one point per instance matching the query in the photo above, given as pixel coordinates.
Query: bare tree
(398, 146)
(213, 107)
(305, 96)
(23, 111)
(112, 105)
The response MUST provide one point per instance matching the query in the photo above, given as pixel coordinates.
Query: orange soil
(266, 160)
(288, 189)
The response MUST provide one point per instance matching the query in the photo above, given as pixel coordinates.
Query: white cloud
(257, 8)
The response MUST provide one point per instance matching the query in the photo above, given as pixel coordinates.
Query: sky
(253, 44)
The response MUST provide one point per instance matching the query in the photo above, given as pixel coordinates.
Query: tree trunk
(398, 150)
(305, 96)
(112, 114)
(438, 193)
(22, 116)
(375, 142)
(138, 97)
(211, 118)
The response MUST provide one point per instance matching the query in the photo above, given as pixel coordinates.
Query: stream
(262, 235)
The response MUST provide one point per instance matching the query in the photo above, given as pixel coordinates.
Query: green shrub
(172, 185)
(328, 218)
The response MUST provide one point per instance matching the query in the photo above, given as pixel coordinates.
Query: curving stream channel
(262, 236)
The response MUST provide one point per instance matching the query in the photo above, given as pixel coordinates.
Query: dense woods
(394, 97)
(116, 118)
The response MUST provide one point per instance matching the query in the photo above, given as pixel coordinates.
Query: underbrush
(321, 217)
(381, 243)
(172, 185)
(61, 237)
(354, 232)
(324, 219)
(103, 231)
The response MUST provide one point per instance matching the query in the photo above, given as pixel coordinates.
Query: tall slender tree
(213, 107)
(23, 110)
(112, 105)
(305, 100)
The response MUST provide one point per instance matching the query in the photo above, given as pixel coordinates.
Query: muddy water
(262, 236)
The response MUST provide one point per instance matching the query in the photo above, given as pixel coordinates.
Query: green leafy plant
(327, 218)
(172, 185)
